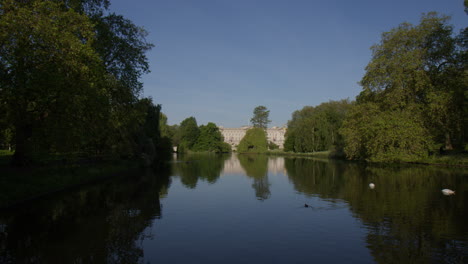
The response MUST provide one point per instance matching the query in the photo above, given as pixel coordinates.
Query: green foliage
(260, 117)
(167, 132)
(225, 147)
(50, 72)
(378, 136)
(254, 141)
(289, 140)
(316, 128)
(272, 146)
(414, 92)
(69, 80)
(188, 133)
(210, 139)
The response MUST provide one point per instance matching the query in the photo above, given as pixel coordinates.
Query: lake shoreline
(452, 160)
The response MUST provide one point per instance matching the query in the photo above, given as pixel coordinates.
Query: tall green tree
(69, 76)
(47, 63)
(416, 73)
(260, 117)
(188, 134)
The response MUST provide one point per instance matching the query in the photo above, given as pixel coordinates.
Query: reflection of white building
(276, 165)
(233, 136)
(233, 166)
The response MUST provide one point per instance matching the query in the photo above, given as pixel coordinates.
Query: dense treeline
(69, 82)
(316, 128)
(414, 100)
(188, 136)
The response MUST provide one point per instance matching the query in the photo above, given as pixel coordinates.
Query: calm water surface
(249, 209)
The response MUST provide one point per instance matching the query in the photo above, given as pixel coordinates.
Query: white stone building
(233, 136)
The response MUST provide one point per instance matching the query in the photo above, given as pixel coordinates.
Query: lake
(248, 209)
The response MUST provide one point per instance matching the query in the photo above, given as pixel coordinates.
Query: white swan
(448, 192)
(371, 185)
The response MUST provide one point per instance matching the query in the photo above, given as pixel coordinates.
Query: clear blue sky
(217, 60)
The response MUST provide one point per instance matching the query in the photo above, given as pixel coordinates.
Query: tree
(210, 139)
(254, 141)
(420, 68)
(47, 63)
(260, 117)
(381, 136)
(188, 133)
(414, 93)
(316, 128)
(69, 77)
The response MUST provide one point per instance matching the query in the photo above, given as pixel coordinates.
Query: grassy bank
(458, 159)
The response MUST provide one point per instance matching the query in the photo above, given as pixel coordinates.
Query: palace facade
(233, 136)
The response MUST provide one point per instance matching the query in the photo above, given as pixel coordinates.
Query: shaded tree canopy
(69, 78)
(260, 117)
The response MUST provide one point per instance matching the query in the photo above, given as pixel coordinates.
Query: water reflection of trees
(194, 167)
(407, 217)
(104, 223)
(256, 167)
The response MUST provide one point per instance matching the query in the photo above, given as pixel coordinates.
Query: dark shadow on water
(96, 224)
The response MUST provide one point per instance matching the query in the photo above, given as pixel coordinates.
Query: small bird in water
(448, 192)
(306, 205)
(371, 185)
